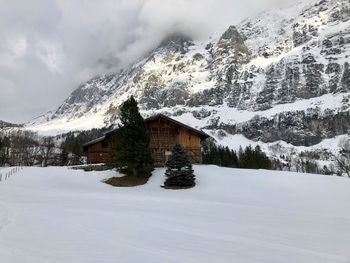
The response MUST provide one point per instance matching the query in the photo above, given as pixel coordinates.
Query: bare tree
(342, 159)
(20, 146)
(47, 147)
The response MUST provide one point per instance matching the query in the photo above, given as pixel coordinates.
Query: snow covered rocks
(280, 77)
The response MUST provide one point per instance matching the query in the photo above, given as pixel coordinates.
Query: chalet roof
(203, 134)
(94, 141)
(155, 117)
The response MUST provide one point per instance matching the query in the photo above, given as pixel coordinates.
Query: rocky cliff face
(283, 75)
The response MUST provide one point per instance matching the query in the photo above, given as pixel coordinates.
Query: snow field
(63, 215)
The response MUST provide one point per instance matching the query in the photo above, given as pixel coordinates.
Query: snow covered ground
(50, 215)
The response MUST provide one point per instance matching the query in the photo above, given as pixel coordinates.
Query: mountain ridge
(283, 75)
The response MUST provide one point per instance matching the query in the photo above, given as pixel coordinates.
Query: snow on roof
(94, 141)
(201, 133)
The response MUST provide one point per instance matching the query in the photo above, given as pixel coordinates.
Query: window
(104, 144)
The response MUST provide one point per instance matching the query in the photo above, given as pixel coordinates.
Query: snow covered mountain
(4, 124)
(283, 76)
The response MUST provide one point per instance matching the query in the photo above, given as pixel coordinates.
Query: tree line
(23, 147)
(248, 158)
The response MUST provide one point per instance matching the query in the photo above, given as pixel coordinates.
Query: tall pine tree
(132, 153)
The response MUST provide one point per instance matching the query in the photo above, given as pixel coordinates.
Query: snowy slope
(57, 215)
(282, 76)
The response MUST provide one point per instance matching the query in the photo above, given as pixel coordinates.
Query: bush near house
(179, 170)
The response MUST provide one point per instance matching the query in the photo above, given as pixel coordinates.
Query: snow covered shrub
(179, 170)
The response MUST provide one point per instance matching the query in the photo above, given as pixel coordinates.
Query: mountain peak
(231, 44)
(232, 34)
(177, 43)
(280, 76)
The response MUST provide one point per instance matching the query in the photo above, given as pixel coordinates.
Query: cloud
(48, 47)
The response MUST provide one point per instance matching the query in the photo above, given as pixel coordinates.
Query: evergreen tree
(132, 153)
(240, 154)
(179, 170)
(254, 159)
(71, 150)
(64, 156)
(229, 157)
(221, 156)
(263, 162)
(246, 159)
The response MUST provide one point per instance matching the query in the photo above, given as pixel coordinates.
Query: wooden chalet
(98, 151)
(164, 134)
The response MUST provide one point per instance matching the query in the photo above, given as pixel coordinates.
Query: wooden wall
(191, 142)
(164, 134)
(100, 151)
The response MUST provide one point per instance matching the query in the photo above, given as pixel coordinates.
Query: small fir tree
(179, 170)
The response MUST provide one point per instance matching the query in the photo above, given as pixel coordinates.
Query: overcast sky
(48, 47)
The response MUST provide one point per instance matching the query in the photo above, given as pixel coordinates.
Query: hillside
(282, 77)
(4, 124)
(62, 215)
